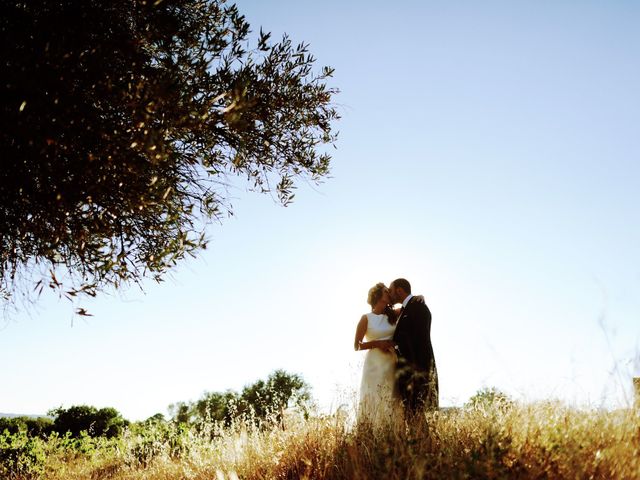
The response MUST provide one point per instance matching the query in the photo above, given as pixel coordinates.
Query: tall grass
(533, 441)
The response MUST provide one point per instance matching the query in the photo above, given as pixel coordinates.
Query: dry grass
(540, 441)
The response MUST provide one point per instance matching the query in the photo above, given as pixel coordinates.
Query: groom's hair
(402, 283)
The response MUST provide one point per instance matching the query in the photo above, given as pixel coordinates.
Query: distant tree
(270, 398)
(34, 427)
(180, 412)
(157, 418)
(262, 400)
(104, 422)
(489, 397)
(217, 407)
(108, 423)
(123, 123)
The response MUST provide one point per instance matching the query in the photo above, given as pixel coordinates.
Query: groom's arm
(422, 336)
(414, 333)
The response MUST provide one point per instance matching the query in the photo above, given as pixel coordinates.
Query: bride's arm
(361, 330)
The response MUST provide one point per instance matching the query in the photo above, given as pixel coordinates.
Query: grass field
(534, 441)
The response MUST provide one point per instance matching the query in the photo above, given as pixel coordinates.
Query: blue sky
(488, 152)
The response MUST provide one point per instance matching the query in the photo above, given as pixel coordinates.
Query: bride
(374, 333)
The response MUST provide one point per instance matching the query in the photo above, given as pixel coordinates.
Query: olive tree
(123, 125)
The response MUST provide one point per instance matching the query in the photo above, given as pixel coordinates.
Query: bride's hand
(420, 299)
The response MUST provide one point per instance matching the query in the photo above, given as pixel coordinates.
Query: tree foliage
(103, 422)
(488, 398)
(33, 427)
(261, 401)
(273, 396)
(124, 123)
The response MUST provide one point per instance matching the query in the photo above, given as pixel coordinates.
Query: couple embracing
(399, 370)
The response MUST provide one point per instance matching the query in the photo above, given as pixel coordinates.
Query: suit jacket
(418, 374)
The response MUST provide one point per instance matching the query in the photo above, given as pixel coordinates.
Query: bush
(151, 440)
(21, 456)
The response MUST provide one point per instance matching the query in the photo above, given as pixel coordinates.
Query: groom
(417, 377)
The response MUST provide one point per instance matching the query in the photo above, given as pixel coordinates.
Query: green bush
(158, 439)
(21, 456)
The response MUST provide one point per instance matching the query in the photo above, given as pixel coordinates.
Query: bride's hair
(375, 294)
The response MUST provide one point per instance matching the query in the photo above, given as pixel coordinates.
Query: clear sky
(488, 152)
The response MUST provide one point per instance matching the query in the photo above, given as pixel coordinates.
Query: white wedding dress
(378, 399)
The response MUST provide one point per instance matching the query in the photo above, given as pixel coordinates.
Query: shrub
(157, 439)
(21, 456)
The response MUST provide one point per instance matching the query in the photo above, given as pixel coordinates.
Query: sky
(488, 152)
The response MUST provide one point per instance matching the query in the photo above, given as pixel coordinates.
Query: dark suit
(417, 376)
